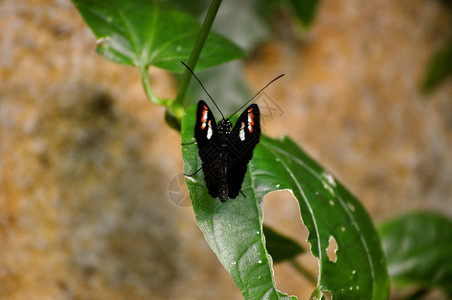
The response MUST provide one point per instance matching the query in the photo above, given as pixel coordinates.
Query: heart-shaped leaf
(142, 33)
(234, 229)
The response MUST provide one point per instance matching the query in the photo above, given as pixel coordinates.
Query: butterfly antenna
(252, 98)
(194, 75)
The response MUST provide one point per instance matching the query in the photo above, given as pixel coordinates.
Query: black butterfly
(225, 153)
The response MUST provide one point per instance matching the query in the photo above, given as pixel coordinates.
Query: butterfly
(226, 150)
(225, 153)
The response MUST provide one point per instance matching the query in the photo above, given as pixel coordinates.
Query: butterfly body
(225, 150)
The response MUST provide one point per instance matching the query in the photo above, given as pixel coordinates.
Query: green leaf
(438, 69)
(305, 10)
(280, 247)
(234, 229)
(142, 33)
(195, 8)
(418, 249)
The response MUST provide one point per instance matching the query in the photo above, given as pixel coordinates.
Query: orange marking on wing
(251, 119)
(204, 117)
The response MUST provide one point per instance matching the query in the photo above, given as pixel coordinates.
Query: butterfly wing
(209, 147)
(243, 139)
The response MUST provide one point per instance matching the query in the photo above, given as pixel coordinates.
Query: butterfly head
(224, 127)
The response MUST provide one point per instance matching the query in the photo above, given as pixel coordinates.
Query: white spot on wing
(209, 132)
(242, 135)
(242, 132)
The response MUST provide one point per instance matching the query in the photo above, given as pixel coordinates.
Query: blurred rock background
(86, 160)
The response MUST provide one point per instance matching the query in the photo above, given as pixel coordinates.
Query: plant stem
(180, 101)
(303, 271)
(147, 88)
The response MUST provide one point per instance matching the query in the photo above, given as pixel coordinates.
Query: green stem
(303, 271)
(147, 88)
(179, 105)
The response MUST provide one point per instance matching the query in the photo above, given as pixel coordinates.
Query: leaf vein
(133, 39)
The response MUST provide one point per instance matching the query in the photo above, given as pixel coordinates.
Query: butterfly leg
(242, 193)
(186, 144)
(193, 173)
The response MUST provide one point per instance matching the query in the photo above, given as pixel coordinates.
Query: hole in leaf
(328, 295)
(282, 214)
(331, 249)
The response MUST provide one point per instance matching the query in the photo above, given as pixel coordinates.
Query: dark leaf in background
(438, 69)
(305, 10)
(280, 247)
(418, 250)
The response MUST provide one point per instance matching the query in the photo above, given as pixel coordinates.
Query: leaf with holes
(418, 248)
(234, 229)
(142, 33)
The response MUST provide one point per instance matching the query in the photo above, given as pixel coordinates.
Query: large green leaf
(418, 249)
(234, 229)
(142, 33)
